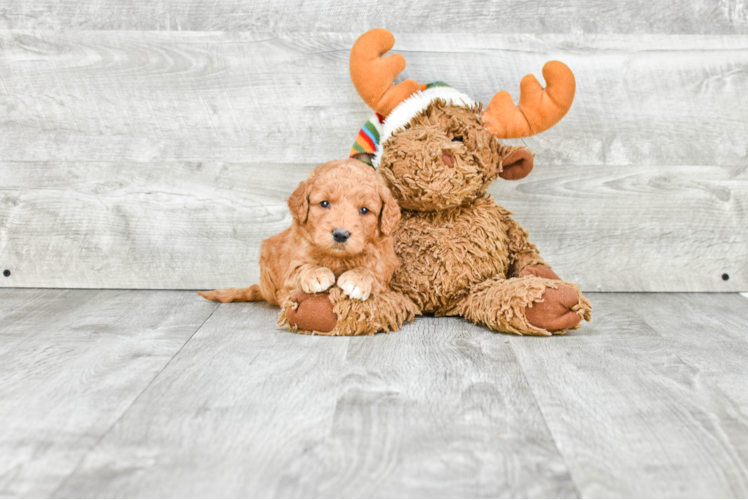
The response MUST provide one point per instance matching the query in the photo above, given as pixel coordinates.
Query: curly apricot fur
(307, 256)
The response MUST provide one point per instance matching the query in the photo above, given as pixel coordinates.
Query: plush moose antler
(373, 75)
(539, 109)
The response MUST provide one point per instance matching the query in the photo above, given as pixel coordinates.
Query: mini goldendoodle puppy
(343, 216)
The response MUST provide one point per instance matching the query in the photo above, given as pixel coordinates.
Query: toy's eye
(364, 211)
(325, 204)
(457, 139)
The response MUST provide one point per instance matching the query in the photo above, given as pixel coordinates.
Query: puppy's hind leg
(251, 294)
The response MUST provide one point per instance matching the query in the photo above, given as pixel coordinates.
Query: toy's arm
(524, 258)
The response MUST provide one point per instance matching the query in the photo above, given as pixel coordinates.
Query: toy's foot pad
(556, 311)
(336, 314)
(313, 312)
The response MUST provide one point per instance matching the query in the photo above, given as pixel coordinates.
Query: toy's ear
(298, 202)
(517, 165)
(390, 214)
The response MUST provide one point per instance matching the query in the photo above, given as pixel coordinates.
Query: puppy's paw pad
(318, 280)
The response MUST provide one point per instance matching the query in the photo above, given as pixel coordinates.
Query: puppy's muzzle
(341, 235)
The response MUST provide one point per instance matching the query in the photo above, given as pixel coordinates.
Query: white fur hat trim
(413, 105)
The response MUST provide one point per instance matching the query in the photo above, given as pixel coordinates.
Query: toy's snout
(448, 158)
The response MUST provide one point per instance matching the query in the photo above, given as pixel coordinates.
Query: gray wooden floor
(111, 393)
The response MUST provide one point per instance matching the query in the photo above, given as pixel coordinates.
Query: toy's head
(435, 146)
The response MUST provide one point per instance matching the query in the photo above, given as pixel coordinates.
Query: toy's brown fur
(445, 253)
(461, 253)
(427, 171)
(307, 256)
(382, 312)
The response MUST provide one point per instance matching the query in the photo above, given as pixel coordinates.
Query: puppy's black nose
(341, 235)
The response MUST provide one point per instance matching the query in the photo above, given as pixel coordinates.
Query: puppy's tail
(251, 294)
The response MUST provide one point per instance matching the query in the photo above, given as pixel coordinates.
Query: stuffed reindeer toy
(460, 253)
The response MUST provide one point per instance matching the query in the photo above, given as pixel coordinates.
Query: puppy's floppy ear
(298, 202)
(390, 215)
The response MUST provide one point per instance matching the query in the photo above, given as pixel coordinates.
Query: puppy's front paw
(317, 280)
(355, 285)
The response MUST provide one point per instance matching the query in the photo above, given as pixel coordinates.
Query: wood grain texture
(71, 363)
(199, 225)
(438, 409)
(161, 160)
(139, 225)
(714, 347)
(115, 96)
(664, 229)
(649, 400)
(472, 16)
(231, 416)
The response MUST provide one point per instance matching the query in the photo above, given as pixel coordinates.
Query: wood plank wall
(153, 144)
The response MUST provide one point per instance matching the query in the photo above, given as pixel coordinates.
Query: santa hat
(378, 129)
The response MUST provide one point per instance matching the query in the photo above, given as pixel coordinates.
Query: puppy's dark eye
(457, 139)
(364, 211)
(324, 204)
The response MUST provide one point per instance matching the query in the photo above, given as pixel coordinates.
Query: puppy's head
(343, 206)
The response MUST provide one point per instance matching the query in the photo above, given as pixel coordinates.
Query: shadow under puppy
(343, 218)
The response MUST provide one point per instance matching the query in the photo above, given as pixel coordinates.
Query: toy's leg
(335, 314)
(526, 306)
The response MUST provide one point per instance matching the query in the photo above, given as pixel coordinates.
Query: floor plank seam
(135, 400)
(545, 421)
